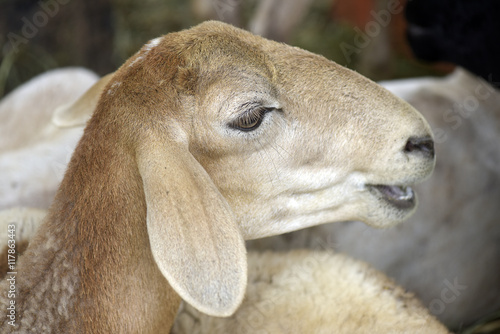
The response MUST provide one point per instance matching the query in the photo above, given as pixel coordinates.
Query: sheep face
(290, 139)
(205, 138)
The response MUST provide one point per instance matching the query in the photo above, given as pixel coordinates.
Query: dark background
(101, 34)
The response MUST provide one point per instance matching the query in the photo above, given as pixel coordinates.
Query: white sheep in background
(290, 292)
(33, 151)
(448, 253)
(202, 139)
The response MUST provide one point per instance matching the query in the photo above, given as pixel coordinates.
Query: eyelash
(250, 120)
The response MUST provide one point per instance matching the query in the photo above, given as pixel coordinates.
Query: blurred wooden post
(273, 19)
(276, 19)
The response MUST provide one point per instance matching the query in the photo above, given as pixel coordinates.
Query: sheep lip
(399, 196)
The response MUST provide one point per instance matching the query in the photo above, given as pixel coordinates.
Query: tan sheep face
(297, 140)
(203, 138)
(289, 138)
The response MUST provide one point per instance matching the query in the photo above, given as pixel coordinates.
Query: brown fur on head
(205, 138)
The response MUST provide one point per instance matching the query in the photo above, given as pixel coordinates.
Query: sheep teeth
(400, 196)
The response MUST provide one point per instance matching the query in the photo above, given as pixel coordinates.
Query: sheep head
(238, 137)
(289, 138)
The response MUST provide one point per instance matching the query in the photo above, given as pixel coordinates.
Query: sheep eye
(250, 120)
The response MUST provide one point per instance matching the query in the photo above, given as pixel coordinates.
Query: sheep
(32, 104)
(448, 252)
(290, 292)
(453, 238)
(33, 151)
(306, 291)
(214, 131)
(465, 36)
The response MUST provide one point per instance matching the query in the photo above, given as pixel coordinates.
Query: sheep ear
(193, 234)
(79, 112)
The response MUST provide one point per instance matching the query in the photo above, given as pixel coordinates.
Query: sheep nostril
(422, 145)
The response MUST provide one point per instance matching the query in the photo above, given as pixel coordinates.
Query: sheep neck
(90, 268)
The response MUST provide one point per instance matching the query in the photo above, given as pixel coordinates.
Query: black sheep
(463, 32)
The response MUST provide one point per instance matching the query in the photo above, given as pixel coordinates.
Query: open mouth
(401, 197)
